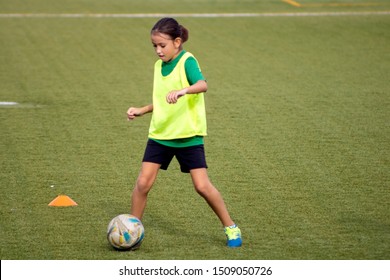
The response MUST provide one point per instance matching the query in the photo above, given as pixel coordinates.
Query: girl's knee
(144, 184)
(204, 188)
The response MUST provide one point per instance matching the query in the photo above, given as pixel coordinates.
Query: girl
(178, 123)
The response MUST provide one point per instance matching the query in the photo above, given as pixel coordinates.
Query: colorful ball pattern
(125, 232)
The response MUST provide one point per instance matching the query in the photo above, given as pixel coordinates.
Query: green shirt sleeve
(193, 71)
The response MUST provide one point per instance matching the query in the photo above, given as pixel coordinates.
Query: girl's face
(166, 48)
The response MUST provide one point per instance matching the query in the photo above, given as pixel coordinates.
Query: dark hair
(172, 28)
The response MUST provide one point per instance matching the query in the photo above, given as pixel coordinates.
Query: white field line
(189, 15)
(12, 104)
(8, 103)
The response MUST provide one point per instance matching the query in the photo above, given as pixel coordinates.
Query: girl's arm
(199, 86)
(133, 112)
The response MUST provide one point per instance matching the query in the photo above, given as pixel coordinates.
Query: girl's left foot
(233, 234)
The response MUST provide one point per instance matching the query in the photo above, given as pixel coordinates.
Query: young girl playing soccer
(178, 123)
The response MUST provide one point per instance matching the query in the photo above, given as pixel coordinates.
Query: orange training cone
(62, 200)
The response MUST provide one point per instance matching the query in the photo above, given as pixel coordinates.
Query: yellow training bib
(184, 119)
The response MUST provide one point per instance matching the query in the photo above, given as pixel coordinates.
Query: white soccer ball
(125, 232)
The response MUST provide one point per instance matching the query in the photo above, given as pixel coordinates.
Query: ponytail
(172, 28)
(183, 33)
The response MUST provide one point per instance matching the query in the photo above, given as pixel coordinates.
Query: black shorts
(188, 157)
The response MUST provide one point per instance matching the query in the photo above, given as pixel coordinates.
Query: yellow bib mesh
(184, 119)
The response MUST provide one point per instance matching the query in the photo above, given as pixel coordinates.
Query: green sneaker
(233, 234)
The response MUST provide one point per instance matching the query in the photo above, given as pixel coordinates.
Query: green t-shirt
(191, 66)
(194, 75)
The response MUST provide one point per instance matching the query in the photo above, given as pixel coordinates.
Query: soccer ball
(125, 232)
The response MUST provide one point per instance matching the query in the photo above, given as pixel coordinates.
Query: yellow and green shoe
(233, 234)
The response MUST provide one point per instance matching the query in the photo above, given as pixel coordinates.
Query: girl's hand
(133, 112)
(174, 95)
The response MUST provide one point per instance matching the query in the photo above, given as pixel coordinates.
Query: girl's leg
(142, 187)
(213, 197)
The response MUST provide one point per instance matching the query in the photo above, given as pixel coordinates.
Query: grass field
(298, 116)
